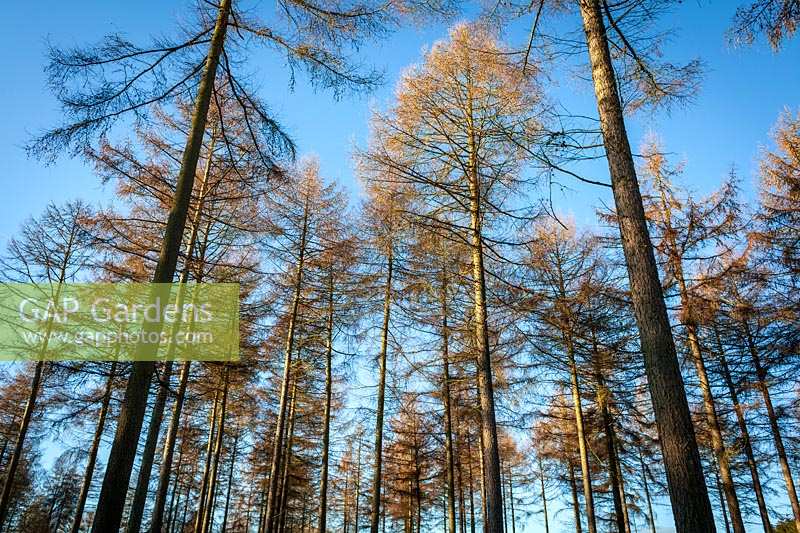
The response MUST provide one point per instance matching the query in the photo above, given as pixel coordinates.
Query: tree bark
(688, 493)
(275, 466)
(111, 502)
(92, 460)
(151, 442)
(202, 497)
(212, 484)
(19, 445)
(544, 497)
(169, 448)
(493, 503)
(746, 444)
(322, 526)
(448, 422)
(576, 507)
(651, 519)
(377, 471)
(761, 376)
(280, 517)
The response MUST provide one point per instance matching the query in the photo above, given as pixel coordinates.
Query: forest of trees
(445, 351)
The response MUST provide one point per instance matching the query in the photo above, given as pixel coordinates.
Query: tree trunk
(169, 448)
(761, 375)
(285, 479)
(544, 497)
(722, 503)
(230, 483)
(493, 502)
(111, 502)
(92, 460)
(746, 444)
(688, 493)
(651, 519)
(448, 422)
(588, 498)
(24, 425)
(576, 507)
(212, 484)
(204, 483)
(377, 472)
(358, 485)
(151, 442)
(275, 466)
(613, 470)
(322, 527)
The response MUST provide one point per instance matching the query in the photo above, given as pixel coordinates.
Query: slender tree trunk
(204, 483)
(286, 477)
(511, 500)
(448, 422)
(30, 405)
(175, 492)
(748, 448)
(16, 454)
(722, 504)
(157, 416)
(688, 493)
(544, 497)
(275, 466)
(377, 471)
(151, 442)
(212, 484)
(471, 485)
(322, 527)
(169, 448)
(111, 502)
(613, 470)
(583, 450)
(622, 495)
(761, 375)
(358, 485)
(92, 460)
(493, 502)
(651, 518)
(709, 406)
(576, 507)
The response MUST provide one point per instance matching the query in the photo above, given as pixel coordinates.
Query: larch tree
(119, 79)
(455, 139)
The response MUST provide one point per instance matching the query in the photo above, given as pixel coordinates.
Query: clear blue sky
(743, 92)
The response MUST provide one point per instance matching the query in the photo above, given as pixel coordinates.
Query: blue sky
(743, 92)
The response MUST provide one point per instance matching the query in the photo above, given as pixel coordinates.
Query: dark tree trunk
(111, 502)
(746, 445)
(688, 492)
(92, 460)
(375, 514)
(322, 527)
(151, 442)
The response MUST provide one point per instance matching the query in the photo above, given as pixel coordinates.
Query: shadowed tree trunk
(375, 514)
(212, 483)
(688, 493)
(91, 461)
(111, 502)
(576, 506)
(651, 519)
(275, 466)
(544, 497)
(322, 527)
(761, 375)
(493, 497)
(204, 483)
(746, 445)
(448, 422)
